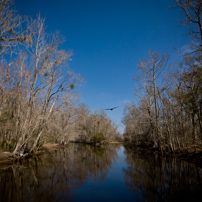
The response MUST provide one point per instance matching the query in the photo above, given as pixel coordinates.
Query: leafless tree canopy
(192, 13)
(168, 115)
(38, 91)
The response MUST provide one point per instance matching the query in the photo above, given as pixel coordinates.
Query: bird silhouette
(111, 108)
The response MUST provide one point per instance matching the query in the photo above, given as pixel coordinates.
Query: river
(108, 173)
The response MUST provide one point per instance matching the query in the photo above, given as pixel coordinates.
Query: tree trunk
(193, 128)
(36, 141)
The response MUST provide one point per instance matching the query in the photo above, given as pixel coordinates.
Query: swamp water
(111, 173)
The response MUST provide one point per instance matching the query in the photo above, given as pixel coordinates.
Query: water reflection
(109, 173)
(166, 179)
(54, 176)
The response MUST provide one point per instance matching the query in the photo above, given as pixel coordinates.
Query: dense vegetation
(38, 92)
(168, 115)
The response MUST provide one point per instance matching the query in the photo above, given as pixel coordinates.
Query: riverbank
(191, 154)
(7, 157)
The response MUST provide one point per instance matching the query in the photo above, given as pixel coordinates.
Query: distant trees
(96, 128)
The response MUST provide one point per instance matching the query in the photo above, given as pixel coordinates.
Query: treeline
(38, 92)
(168, 115)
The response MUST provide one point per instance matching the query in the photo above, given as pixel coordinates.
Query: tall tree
(49, 80)
(151, 70)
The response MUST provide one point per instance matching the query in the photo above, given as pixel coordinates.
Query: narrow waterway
(110, 173)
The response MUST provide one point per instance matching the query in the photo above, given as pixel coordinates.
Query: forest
(168, 114)
(39, 93)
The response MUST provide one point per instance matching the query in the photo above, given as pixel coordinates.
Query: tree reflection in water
(68, 174)
(162, 179)
(54, 176)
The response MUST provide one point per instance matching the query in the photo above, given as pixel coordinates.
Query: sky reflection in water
(112, 188)
(111, 173)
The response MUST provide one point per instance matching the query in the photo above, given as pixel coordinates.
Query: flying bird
(111, 108)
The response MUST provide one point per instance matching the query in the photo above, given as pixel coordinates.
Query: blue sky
(108, 38)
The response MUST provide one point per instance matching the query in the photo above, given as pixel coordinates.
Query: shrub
(97, 138)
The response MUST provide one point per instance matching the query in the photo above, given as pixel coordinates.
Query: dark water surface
(112, 173)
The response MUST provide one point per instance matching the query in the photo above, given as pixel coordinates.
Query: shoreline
(193, 155)
(190, 154)
(8, 158)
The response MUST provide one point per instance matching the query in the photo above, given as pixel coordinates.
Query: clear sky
(108, 37)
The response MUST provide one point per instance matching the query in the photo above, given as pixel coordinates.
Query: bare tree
(49, 80)
(192, 10)
(151, 70)
(11, 29)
